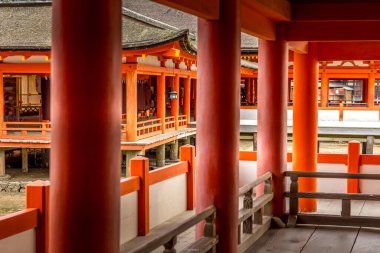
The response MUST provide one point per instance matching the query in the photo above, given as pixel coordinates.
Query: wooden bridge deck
(324, 239)
(318, 239)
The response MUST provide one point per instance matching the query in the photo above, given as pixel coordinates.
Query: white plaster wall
(371, 116)
(290, 115)
(193, 67)
(248, 114)
(32, 59)
(183, 66)
(332, 185)
(167, 199)
(328, 115)
(149, 60)
(369, 186)
(169, 63)
(128, 217)
(24, 242)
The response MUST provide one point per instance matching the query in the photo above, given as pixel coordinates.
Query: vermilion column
(161, 100)
(254, 90)
(371, 89)
(305, 121)
(272, 115)
(218, 104)
(324, 89)
(175, 103)
(131, 85)
(86, 109)
(186, 107)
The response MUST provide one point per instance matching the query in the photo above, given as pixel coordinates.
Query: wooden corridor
(318, 239)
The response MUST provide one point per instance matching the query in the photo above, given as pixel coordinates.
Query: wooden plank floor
(324, 239)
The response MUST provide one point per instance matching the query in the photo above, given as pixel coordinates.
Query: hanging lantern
(173, 95)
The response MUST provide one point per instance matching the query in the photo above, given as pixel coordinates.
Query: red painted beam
(353, 10)
(339, 51)
(333, 30)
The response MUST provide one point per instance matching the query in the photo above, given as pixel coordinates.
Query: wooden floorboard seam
(361, 209)
(315, 229)
(353, 245)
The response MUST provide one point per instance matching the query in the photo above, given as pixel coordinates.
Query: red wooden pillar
(324, 88)
(353, 166)
(272, 115)
(161, 106)
(85, 164)
(254, 90)
(175, 102)
(371, 89)
(218, 104)
(305, 121)
(131, 97)
(2, 113)
(186, 108)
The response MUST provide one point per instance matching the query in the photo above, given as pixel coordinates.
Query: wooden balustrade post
(293, 202)
(170, 245)
(248, 204)
(37, 196)
(268, 190)
(346, 207)
(187, 153)
(353, 165)
(140, 168)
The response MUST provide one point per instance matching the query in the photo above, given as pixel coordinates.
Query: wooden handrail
(332, 175)
(169, 238)
(255, 183)
(256, 213)
(345, 219)
(18, 222)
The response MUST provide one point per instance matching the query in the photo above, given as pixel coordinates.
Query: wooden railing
(33, 130)
(149, 128)
(170, 123)
(18, 222)
(182, 121)
(345, 219)
(169, 238)
(256, 213)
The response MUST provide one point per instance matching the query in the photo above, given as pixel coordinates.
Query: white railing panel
(24, 242)
(128, 217)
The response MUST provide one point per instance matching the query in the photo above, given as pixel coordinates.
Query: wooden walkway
(324, 239)
(318, 239)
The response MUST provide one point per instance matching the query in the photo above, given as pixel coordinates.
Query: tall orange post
(305, 121)
(371, 89)
(324, 88)
(254, 90)
(218, 105)
(186, 108)
(272, 115)
(175, 102)
(161, 106)
(85, 153)
(353, 165)
(131, 77)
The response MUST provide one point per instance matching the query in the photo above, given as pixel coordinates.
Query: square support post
(131, 77)
(187, 153)
(353, 165)
(175, 102)
(37, 196)
(140, 168)
(161, 103)
(186, 108)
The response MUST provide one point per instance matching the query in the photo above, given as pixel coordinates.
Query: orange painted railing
(18, 222)
(182, 121)
(170, 123)
(149, 128)
(21, 130)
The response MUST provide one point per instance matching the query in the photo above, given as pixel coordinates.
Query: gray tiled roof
(28, 27)
(176, 18)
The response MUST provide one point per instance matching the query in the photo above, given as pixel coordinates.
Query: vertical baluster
(170, 245)
(248, 204)
(293, 201)
(210, 229)
(268, 190)
(346, 207)
(239, 234)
